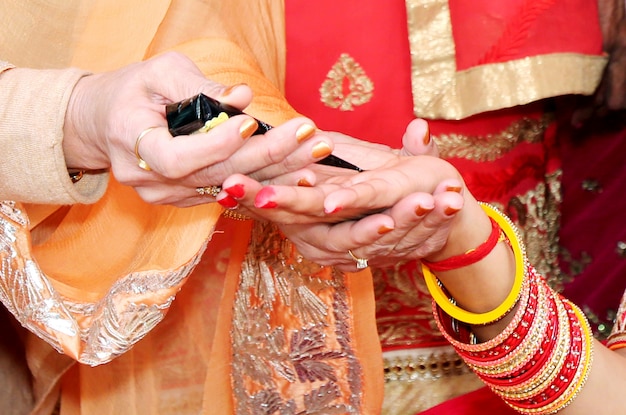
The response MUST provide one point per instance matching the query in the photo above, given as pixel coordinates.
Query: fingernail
(335, 210)
(451, 211)
(228, 202)
(384, 229)
(237, 191)
(264, 198)
(320, 150)
(304, 183)
(226, 92)
(427, 136)
(456, 189)
(304, 132)
(421, 211)
(248, 127)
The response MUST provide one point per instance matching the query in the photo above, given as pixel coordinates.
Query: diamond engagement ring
(361, 263)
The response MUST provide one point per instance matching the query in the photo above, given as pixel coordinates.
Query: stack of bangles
(539, 363)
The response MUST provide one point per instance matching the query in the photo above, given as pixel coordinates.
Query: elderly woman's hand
(108, 112)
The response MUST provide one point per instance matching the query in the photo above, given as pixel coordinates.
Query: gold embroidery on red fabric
(537, 214)
(490, 147)
(346, 85)
(291, 334)
(571, 267)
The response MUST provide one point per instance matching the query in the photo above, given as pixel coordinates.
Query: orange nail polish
(451, 211)
(384, 229)
(304, 132)
(304, 183)
(321, 149)
(456, 189)
(421, 211)
(248, 127)
(427, 136)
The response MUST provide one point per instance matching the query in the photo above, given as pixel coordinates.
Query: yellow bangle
(447, 304)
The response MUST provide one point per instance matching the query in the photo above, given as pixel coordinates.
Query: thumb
(417, 141)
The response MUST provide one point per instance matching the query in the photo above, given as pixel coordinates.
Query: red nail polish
(456, 189)
(264, 198)
(228, 202)
(451, 211)
(237, 191)
(337, 209)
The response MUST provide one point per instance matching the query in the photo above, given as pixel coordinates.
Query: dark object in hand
(195, 114)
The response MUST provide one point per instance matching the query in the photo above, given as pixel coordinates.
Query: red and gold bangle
(521, 385)
(528, 300)
(572, 375)
(513, 364)
(541, 360)
(530, 323)
(449, 307)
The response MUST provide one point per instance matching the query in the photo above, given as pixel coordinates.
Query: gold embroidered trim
(92, 333)
(430, 366)
(490, 147)
(439, 91)
(291, 336)
(346, 85)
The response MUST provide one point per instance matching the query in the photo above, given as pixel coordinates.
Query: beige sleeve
(32, 114)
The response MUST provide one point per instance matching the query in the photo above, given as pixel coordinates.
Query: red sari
(483, 73)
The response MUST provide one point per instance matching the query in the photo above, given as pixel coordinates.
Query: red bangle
(470, 257)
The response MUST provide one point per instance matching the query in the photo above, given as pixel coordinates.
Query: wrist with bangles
(540, 361)
(501, 229)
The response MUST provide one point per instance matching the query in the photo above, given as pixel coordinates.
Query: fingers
(175, 77)
(421, 227)
(329, 244)
(287, 148)
(384, 187)
(417, 140)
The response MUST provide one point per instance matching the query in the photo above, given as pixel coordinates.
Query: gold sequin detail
(346, 85)
(441, 91)
(291, 341)
(475, 148)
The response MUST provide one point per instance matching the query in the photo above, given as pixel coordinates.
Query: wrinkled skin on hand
(108, 111)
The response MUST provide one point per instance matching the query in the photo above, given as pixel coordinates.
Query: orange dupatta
(129, 259)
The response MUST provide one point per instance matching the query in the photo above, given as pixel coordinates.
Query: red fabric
(319, 32)
(487, 31)
(479, 402)
(594, 202)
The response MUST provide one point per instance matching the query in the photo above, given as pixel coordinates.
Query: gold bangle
(450, 308)
(76, 175)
